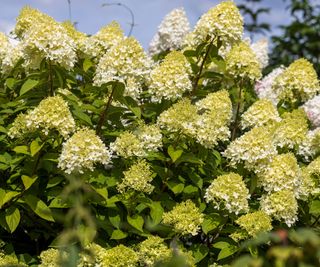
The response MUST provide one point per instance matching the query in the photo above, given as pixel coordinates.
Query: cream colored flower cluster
(260, 113)
(77, 36)
(120, 256)
(9, 54)
(52, 113)
(310, 146)
(145, 139)
(171, 32)
(223, 21)
(82, 151)
(281, 205)
(297, 82)
(282, 173)
(292, 129)
(229, 192)
(206, 121)
(98, 44)
(185, 218)
(255, 148)
(44, 38)
(123, 60)
(242, 62)
(212, 125)
(138, 178)
(170, 79)
(52, 257)
(252, 224)
(152, 250)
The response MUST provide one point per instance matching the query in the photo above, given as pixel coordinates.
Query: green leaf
(199, 251)
(39, 207)
(118, 234)
(103, 191)
(115, 220)
(227, 249)
(190, 158)
(314, 207)
(211, 222)
(175, 187)
(12, 218)
(21, 150)
(28, 85)
(82, 116)
(156, 212)
(28, 181)
(35, 147)
(190, 189)
(136, 221)
(87, 64)
(8, 196)
(174, 154)
(10, 82)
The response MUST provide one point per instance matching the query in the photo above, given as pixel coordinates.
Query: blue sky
(90, 14)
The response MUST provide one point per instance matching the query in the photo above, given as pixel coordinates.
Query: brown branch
(105, 111)
(197, 78)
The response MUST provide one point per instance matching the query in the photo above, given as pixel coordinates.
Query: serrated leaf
(136, 221)
(39, 207)
(211, 222)
(12, 218)
(227, 249)
(174, 154)
(314, 207)
(28, 181)
(10, 82)
(8, 196)
(35, 147)
(118, 234)
(87, 64)
(28, 85)
(156, 212)
(199, 251)
(21, 150)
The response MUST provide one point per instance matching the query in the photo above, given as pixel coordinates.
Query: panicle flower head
(82, 151)
(108, 36)
(312, 109)
(309, 185)
(264, 89)
(212, 124)
(255, 223)
(292, 129)
(11, 58)
(127, 145)
(223, 21)
(28, 18)
(145, 139)
(282, 173)
(298, 82)
(260, 113)
(52, 113)
(314, 167)
(180, 118)
(123, 60)
(310, 146)
(10, 260)
(77, 36)
(171, 32)
(4, 45)
(133, 88)
(229, 191)
(255, 148)
(52, 257)
(242, 62)
(138, 178)
(153, 249)
(185, 218)
(260, 48)
(170, 79)
(281, 205)
(120, 256)
(48, 40)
